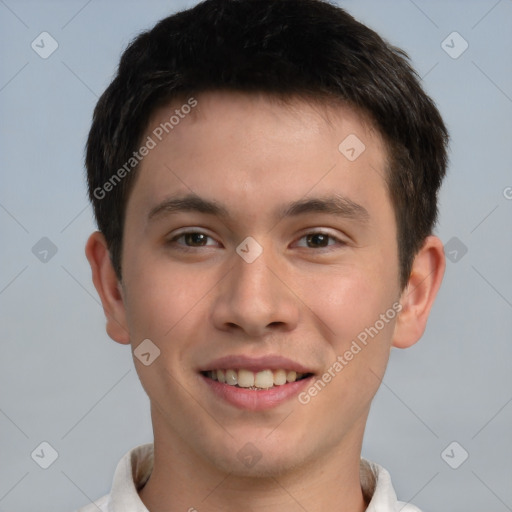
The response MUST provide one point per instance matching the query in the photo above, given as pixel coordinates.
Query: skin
(299, 299)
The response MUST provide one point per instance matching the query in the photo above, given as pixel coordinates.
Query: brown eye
(195, 239)
(318, 240)
(192, 239)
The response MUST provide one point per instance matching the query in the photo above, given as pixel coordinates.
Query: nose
(256, 299)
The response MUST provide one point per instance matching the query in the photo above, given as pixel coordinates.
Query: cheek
(161, 294)
(359, 313)
(348, 301)
(166, 305)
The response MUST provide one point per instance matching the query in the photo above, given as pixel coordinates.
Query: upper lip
(255, 364)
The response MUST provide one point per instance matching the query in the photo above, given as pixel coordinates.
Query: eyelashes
(192, 236)
(322, 237)
(194, 239)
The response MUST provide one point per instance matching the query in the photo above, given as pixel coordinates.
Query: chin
(256, 459)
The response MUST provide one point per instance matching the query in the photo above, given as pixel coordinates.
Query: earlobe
(108, 287)
(419, 294)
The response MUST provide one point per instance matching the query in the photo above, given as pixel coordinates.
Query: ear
(108, 287)
(418, 296)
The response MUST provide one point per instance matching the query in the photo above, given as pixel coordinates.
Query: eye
(192, 239)
(319, 240)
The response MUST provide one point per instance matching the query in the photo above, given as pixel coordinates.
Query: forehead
(250, 150)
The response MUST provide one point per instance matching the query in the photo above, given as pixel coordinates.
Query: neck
(185, 480)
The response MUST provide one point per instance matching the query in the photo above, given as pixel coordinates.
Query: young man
(264, 174)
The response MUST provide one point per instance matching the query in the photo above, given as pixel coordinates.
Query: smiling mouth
(247, 379)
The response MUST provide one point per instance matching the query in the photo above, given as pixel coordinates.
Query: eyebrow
(188, 203)
(334, 205)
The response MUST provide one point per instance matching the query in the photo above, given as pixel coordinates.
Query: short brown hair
(288, 48)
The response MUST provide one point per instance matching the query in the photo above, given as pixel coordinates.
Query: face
(319, 270)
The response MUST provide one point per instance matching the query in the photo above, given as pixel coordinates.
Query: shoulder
(131, 473)
(378, 490)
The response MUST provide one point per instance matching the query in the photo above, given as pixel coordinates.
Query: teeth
(291, 376)
(260, 380)
(231, 377)
(264, 379)
(280, 377)
(245, 378)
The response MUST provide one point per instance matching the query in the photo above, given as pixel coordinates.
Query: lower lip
(256, 400)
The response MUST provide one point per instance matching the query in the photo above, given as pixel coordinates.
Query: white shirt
(135, 467)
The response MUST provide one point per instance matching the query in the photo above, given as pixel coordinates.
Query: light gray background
(62, 380)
